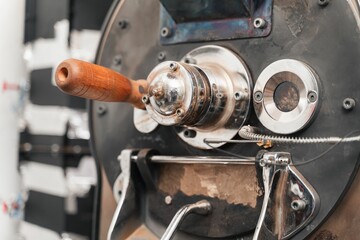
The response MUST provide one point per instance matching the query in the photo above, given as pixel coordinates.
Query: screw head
(349, 104)
(168, 200)
(238, 96)
(145, 99)
(117, 60)
(180, 112)
(189, 133)
(312, 96)
(298, 205)
(101, 110)
(165, 32)
(161, 56)
(259, 23)
(123, 24)
(258, 96)
(174, 66)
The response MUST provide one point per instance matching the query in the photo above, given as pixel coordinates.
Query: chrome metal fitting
(259, 23)
(286, 96)
(211, 98)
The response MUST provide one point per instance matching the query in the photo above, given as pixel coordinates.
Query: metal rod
(199, 160)
(217, 140)
(202, 207)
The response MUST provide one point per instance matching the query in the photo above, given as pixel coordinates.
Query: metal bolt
(238, 96)
(174, 66)
(188, 133)
(77, 149)
(323, 3)
(312, 96)
(55, 148)
(117, 60)
(258, 96)
(297, 205)
(180, 112)
(349, 103)
(27, 147)
(123, 24)
(219, 95)
(259, 23)
(165, 32)
(168, 200)
(145, 99)
(101, 110)
(161, 56)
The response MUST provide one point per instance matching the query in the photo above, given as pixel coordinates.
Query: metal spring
(248, 132)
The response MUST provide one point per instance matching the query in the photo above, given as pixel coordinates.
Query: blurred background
(47, 175)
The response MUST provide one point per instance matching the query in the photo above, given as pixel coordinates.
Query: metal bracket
(290, 202)
(254, 19)
(125, 219)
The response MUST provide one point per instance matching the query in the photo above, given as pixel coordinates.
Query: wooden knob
(91, 81)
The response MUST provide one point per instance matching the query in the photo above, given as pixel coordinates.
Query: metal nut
(174, 66)
(145, 99)
(123, 24)
(349, 103)
(161, 56)
(168, 200)
(259, 23)
(180, 112)
(101, 110)
(258, 96)
(238, 96)
(165, 32)
(312, 96)
(188, 133)
(117, 60)
(297, 205)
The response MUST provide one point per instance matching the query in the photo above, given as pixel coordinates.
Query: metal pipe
(202, 207)
(199, 160)
(12, 70)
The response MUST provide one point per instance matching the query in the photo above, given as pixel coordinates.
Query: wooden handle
(87, 80)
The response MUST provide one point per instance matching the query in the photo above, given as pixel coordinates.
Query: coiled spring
(248, 132)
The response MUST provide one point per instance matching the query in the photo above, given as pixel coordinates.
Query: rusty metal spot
(235, 184)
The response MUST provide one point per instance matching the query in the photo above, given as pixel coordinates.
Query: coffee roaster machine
(246, 127)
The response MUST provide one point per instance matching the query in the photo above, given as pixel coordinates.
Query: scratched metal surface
(327, 38)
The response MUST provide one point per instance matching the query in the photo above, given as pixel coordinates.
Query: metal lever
(126, 213)
(290, 202)
(202, 207)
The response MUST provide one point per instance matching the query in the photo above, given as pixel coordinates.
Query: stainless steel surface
(291, 110)
(283, 186)
(143, 122)
(227, 75)
(208, 95)
(177, 91)
(202, 207)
